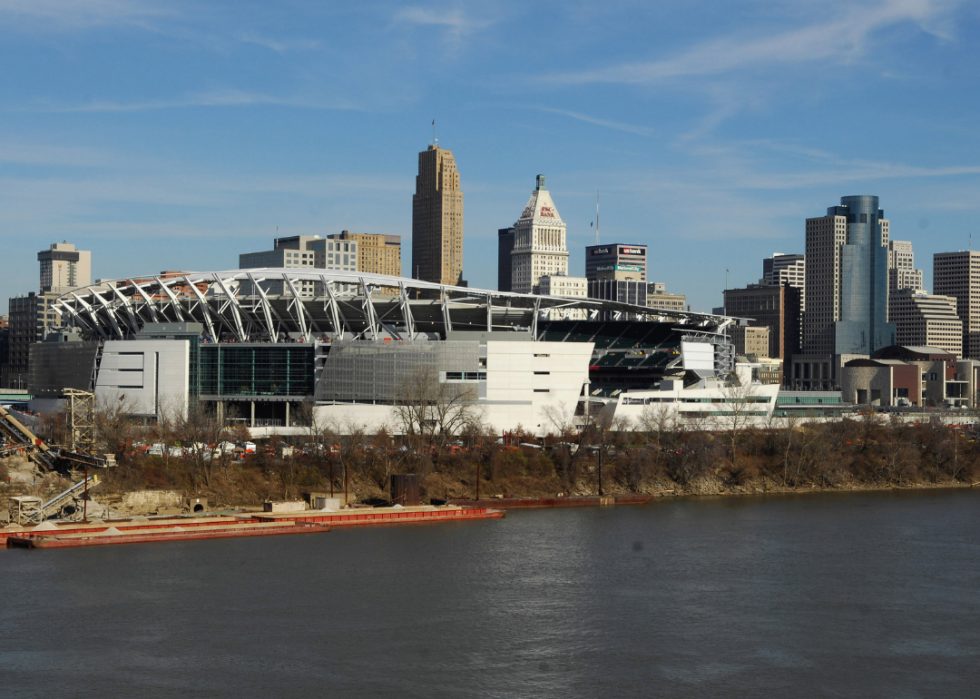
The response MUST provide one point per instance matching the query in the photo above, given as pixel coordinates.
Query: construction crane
(39, 452)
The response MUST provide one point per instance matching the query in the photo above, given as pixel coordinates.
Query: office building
(785, 270)
(659, 297)
(4, 344)
(773, 307)
(376, 253)
(751, 340)
(64, 268)
(632, 292)
(303, 252)
(505, 244)
(560, 285)
(31, 317)
(616, 257)
(437, 219)
(539, 242)
(901, 267)
(957, 274)
(925, 320)
(847, 280)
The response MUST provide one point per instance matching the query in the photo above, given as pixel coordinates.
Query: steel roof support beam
(235, 308)
(406, 311)
(92, 314)
(369, 311)
(447, 322)
(174, 301)
(339, 322)
(110, 314)
(534, 319)
(489, 313)
(133, 323)
(146, 299)
(205, 309)
(300, 308)
(267, 310)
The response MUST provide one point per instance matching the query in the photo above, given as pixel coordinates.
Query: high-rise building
(617, 258)
(658, 297)
(63, 267)
(957, 274)
(847, 280)
(539, 242)
(505, 244)
(304, 251)
(901, 268)
(376, 253)
(785, 270)
(925, 320)
(437, 219)
(773, 307)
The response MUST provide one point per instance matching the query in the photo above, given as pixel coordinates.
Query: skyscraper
(847, 280)
(505, 243)
(901, 268)
(63, 267)
(957, 274)
(437, 219)
(783, 270)
(539, 242)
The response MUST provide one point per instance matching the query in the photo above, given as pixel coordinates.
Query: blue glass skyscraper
(847, 280)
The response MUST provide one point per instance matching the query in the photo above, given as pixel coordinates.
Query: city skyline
(130, 127)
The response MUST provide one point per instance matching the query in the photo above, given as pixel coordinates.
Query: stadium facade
(221, 341)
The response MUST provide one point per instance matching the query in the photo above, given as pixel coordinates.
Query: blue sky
(175, 135)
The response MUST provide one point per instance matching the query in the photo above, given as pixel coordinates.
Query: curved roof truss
(289, 305)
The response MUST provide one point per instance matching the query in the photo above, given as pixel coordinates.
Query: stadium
(262, 344)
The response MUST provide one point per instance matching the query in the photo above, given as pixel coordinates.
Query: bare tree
(434, 411)
(741, 402)
(561, 419)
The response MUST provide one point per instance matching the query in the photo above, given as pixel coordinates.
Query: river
(827, 595)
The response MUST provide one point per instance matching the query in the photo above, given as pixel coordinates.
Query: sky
(176, 135)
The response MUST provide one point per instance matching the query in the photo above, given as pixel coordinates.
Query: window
(542, 373)
(542, 390)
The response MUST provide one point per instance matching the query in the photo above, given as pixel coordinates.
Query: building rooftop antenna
(597, 217)
(435, 141)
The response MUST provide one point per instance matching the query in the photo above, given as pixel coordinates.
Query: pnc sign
(547, 212)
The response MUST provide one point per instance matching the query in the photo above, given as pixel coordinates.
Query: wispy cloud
(617, 125)
(280, 45)
(218, 98)
(63, 15)
(454, 20)
(843, 39)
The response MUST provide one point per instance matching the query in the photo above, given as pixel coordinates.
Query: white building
(709, 404)
(560, 285)
(150, 378)
(526, 384)
(539, 243)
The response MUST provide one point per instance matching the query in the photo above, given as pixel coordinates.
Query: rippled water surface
(804, 596)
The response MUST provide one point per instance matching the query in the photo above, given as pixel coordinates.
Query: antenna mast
(597, 217)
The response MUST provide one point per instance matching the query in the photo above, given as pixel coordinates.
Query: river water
(856, 595)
